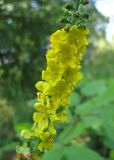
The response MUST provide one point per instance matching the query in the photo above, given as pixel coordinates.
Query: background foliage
(25, 27)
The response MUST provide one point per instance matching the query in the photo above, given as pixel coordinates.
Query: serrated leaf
(97, 102)
(107, 115)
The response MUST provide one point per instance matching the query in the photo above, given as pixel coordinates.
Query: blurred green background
(25, 26)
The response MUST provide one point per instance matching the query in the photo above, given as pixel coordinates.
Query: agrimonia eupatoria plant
(59, 78)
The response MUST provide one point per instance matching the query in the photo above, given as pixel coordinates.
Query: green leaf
(107, 115)
(102, 99)
(112, 155)
(10, 146)
(74, 99)
(93, 121)
(109, 142)
(72, 132)
(55, 154)
(94, 87)
(21, 126)
(81, 153)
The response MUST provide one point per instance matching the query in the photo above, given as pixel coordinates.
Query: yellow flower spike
(59, 78)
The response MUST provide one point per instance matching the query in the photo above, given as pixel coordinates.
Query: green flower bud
(85, 15)
(77, 14)
(64, 20)
(82, 26)
(84, 2)
(69, 6)
(67, 28)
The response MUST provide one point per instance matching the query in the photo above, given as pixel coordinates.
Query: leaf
(74, 99)
(109, 142)
(112, 155)
(81, 153)
(94, 87)
(72, 132)
(55, 154)
(107, 115)
(10, 146)
(101, 100)
(21, 126)
(93, 121)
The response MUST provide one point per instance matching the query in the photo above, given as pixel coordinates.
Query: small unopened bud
(82, 26)
(84, 2)
(85, 15)
(69, 6)
(64, 20)
(77, 14)
(67, 28)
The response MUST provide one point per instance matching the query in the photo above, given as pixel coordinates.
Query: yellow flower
(45, 108)
(45, 118)
(62, 117)
(72, 75)
(53, 72)
(77, 36)
(42, 86)
(52, 129)
(46, 141)
(41, 119)
(60, 91)
(50, 55)
(57, 38)
(26, 134)
(67, 55)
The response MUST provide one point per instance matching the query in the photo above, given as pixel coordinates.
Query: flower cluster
(58, 80)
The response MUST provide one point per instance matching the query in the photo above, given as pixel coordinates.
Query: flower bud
(84, 2)
(69, 6)
(85, 15)
(64, 20)
(77, 14)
